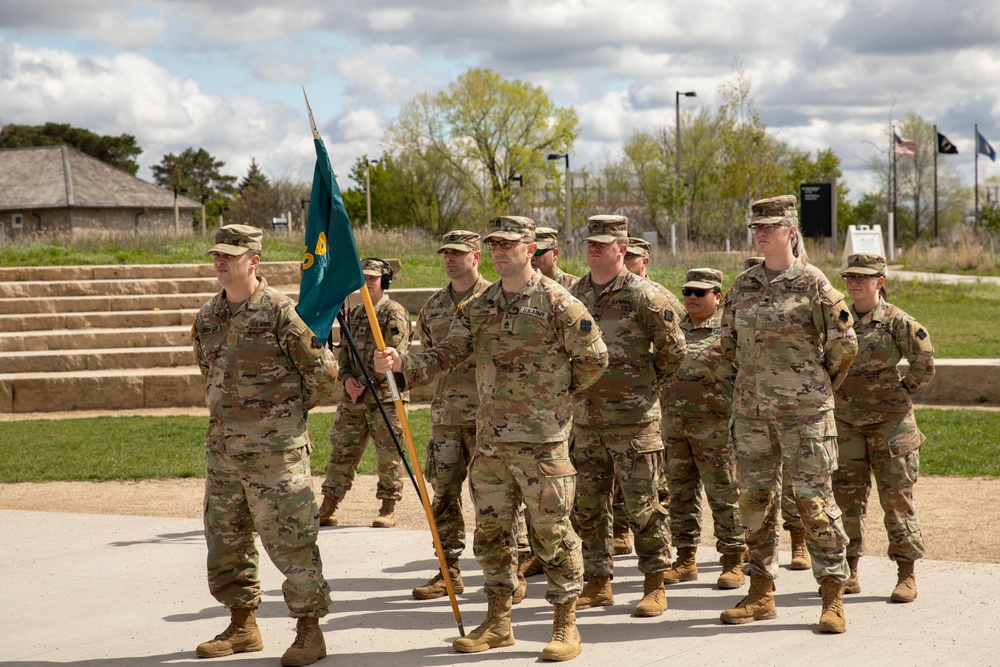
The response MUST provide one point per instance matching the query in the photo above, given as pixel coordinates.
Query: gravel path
(953, 511)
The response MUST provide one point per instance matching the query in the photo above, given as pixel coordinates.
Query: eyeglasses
(539, 253)
(700, 293)
(493, 244)
(766, 229)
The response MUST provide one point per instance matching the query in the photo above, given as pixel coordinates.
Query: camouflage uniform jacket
(456, 397)
(791, 341)
(703, 385)
(263, 369)
(532, 352)
(873, 391)
(567, 280)
(672, 299)
(645, 348)
(394, 321)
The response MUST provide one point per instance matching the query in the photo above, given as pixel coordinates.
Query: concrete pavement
(130, 591)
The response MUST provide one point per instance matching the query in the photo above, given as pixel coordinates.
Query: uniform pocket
(558, 492)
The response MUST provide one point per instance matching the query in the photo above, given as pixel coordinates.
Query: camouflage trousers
(628, 458)
(790, 519)
(541, 475)
(807, 448)
(698, 457)
(269, 493)
(354, 424)
(891, 452)
(449, 454)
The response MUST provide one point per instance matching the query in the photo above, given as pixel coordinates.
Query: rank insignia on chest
(586, 325)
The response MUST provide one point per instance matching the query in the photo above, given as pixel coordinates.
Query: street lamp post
(677, 109)
(368, 191)
(568, 225)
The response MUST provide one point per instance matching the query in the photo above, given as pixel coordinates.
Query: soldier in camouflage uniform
(453, 407)
(790, 336)
(534, 346)
(358, 416)
(876, 430)
(546, 256)
(637, 257)
(698, 456)
(791, 521)
(616, 421)
(263, 370)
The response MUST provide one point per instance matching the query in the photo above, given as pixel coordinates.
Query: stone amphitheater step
(52, 361)
(276, 272)
(94, 338)
(86, 320)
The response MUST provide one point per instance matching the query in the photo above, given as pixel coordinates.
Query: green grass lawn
(959, 442)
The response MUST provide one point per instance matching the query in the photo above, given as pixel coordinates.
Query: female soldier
(876, 431)
(790, 337)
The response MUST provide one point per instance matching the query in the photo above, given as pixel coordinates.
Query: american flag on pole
(904, 146)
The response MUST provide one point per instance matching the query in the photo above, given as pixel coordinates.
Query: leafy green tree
(119, 151)
(477, 135)
(199, 176)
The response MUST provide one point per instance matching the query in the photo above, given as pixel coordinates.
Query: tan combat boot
(732, 570)
(758, 605)
(531, 566)
(800, 554)
(684, 568)
(596, 593)
(622, 541)
(852, 585)
(832, 619)
(435, 588)
(386, 514)
(566, 643)
(328, 511)
(309, 645)
(494, 632)
(906, 582)
(242, 636)
(654, 598)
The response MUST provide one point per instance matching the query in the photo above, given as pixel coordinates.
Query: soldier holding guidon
(534, 346)
(876, 430)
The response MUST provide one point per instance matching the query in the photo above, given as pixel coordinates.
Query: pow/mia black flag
(945, 146)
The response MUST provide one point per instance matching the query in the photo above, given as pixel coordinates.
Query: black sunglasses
(687, 291)
(539, 253)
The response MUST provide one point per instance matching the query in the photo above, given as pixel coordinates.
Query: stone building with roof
(58, 188)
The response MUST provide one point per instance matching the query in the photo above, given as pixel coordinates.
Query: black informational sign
(817, 210)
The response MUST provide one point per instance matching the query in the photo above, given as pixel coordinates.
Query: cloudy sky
(226, 75)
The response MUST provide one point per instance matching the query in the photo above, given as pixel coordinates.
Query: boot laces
(561, 630)
(303, 635)
(831, 601)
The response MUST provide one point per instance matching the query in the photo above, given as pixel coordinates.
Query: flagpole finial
(312, 121)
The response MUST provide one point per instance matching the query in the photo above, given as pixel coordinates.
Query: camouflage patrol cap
(640, 247)
(607, 228)
(865, 264)
(704, 279)
(461, 240)
(751, 262)
(511, 227)
(236, 240)
(774, 211)
(547, 238)
(373, 266)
